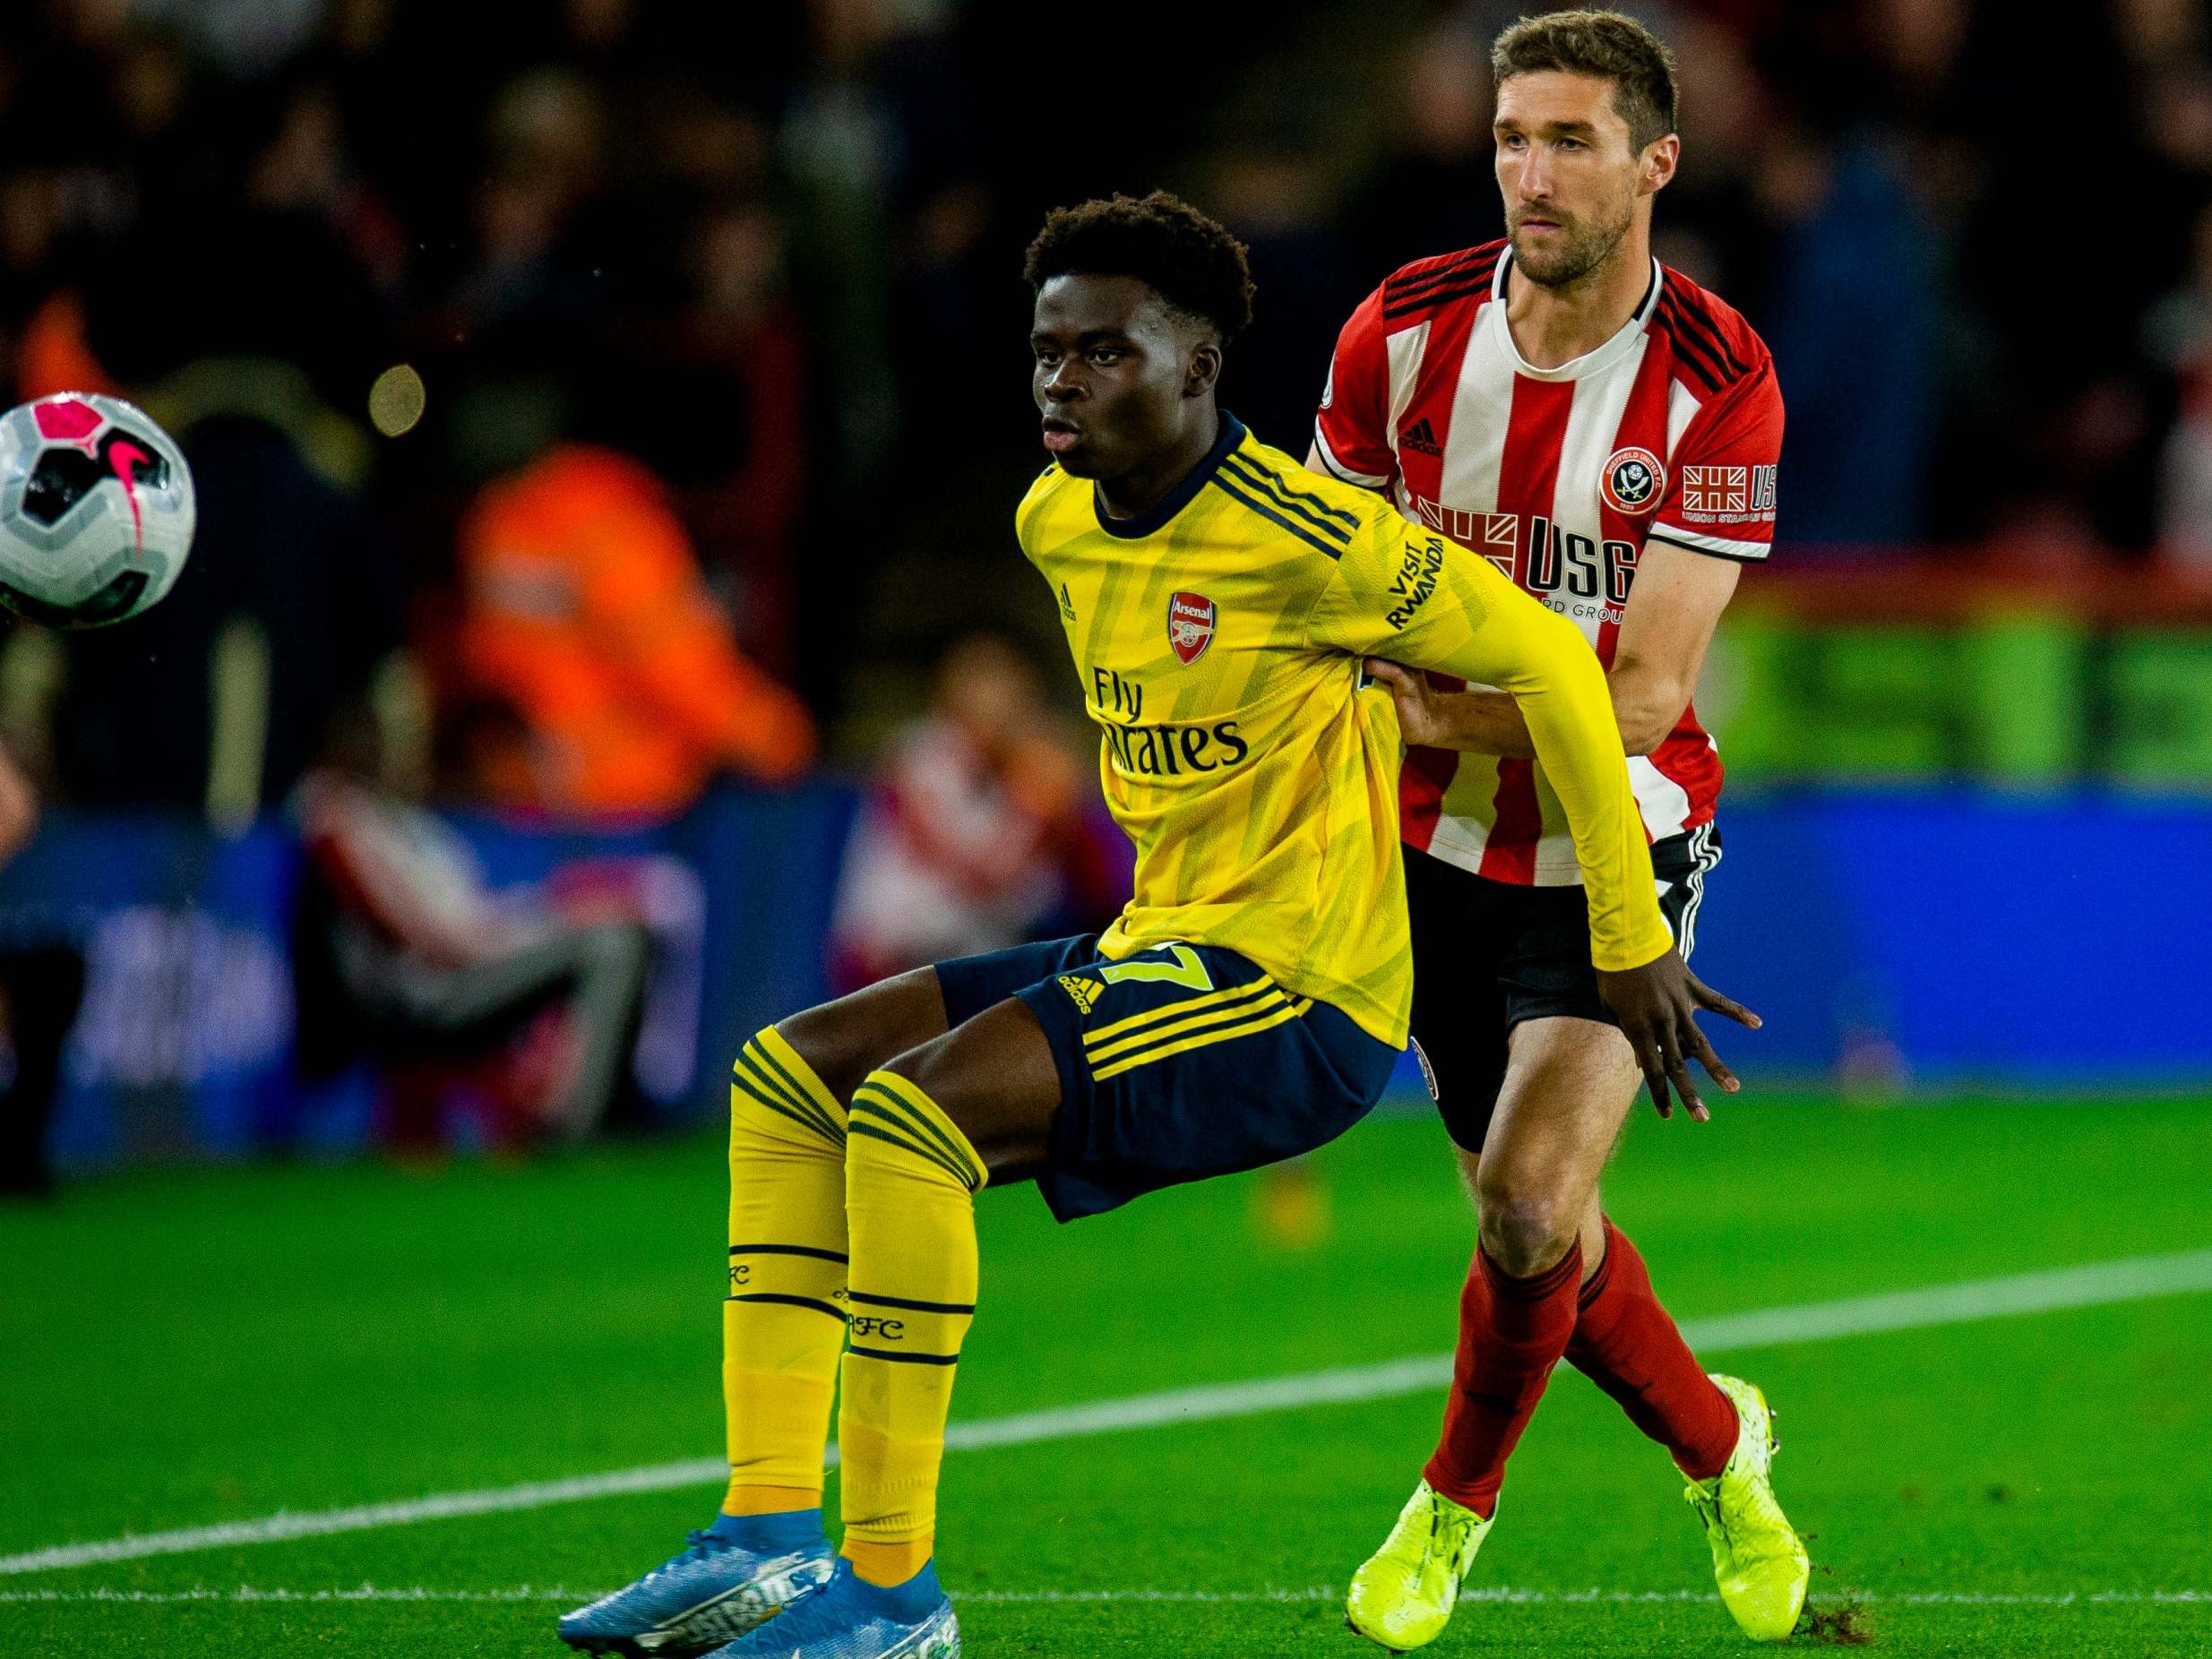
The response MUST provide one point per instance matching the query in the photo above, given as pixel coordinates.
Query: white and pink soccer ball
(96, 511)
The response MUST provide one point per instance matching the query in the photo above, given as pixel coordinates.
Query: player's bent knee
(941, 1074)
(779, 1105)
(996, 1079)
(897, 1126)
(923, 1064)
(1526, 1231)
(1526, 1239)
(845, 1040)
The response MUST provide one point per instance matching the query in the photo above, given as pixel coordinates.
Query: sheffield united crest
(1190, 625)
(1633, 481)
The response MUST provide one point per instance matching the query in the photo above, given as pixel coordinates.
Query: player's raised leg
(926, 1131)
(1102, 1079)
(784, 1321)
(783, 1326)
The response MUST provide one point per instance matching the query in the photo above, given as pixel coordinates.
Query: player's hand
(1656, 1005)
(1420, 715)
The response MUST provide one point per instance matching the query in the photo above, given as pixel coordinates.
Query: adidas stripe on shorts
(1176, 1063)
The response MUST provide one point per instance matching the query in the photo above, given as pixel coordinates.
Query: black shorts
(1487, 955)
(1176, 1064)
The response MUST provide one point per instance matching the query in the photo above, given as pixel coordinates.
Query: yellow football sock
(910, 1181)
(784, 1322)
(769, 1499)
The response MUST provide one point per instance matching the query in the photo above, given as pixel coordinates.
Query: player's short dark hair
(1189, 260)
(1604, 44)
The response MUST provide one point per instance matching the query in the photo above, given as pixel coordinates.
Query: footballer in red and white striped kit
(1607, 432)
(1668, 431)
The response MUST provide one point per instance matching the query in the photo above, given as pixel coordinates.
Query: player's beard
(1573, 254)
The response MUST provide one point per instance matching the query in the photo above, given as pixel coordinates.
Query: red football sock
(1511, 1333)
(1626, 1344)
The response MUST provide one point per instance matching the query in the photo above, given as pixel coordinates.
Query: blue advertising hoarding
(1940, 939)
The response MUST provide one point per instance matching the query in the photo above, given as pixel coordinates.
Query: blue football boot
(849, 1618)
(727, 1581)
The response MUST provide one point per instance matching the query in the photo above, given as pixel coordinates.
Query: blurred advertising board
(1902, 673)
(1925, 935)
(186, 1041)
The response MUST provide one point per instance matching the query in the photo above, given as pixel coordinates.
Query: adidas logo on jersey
(1421, 438)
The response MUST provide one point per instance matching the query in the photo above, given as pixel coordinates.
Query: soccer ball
(96, 511)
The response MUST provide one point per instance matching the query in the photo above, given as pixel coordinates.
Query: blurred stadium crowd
(593, 398)
(765, 255)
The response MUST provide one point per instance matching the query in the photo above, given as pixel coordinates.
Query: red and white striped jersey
(1670, 430)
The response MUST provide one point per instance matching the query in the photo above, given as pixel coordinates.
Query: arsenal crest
(1634, 480)
(1190, 625)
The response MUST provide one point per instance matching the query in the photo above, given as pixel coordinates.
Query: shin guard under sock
(911, 1178)
(1627, 1342)
(784, 1322)
(1511, 1333)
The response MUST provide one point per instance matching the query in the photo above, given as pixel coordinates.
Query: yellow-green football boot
(1758, 1558)
(1403, 1596)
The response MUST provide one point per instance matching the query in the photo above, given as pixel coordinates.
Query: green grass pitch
(186, 1349)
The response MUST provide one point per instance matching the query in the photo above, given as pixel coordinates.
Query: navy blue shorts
(1175, 1064)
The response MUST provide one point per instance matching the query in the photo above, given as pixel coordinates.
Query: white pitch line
(365, 1517)
(2095, 1284)
(248, 1594)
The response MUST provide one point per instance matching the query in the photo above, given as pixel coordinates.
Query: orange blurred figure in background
(583, 614)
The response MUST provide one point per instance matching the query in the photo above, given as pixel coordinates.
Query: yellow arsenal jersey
(1218, 639)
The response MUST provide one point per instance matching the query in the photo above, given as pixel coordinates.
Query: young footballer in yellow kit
(1246, 1006)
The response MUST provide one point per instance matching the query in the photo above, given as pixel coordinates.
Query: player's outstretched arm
(1414, 598)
